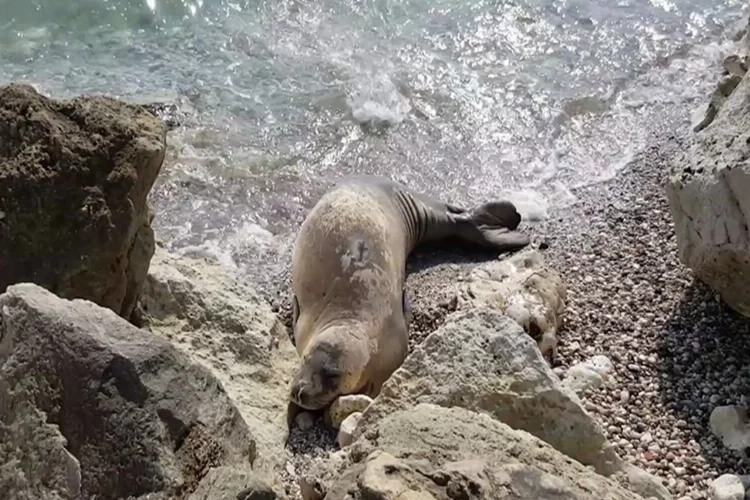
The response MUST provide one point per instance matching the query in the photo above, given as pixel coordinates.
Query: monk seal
(350, 312)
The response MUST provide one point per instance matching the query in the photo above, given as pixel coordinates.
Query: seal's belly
(349, 258)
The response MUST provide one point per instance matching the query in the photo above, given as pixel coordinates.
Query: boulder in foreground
(708, 196)
(91, 406)
(429, 452)
(216, 317)
(483, 361)
(74, 180)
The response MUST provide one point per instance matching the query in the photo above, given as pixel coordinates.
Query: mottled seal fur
(350, 311)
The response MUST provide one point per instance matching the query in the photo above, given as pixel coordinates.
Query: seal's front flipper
(493, 225)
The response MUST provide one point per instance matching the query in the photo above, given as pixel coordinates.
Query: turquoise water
(465, 99)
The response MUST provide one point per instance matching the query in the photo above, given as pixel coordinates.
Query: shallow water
(464, 99)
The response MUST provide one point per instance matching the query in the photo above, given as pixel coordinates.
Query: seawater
(462, 99)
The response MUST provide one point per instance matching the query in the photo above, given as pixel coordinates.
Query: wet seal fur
(350, 310)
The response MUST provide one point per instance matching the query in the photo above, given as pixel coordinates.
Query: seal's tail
(493, 225)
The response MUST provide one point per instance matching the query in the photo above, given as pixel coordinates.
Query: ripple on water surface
(463, 99)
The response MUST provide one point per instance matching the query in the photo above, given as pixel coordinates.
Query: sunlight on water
(464, 99)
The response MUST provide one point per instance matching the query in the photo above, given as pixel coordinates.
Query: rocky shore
(606, 360)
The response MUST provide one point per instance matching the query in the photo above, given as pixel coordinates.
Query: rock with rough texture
(230, 483)
(483, 361)
(727, 487)
(74, 215)
(432, 452)
(524, 288)
(344, 406)
(219, 320)
(347, 428)
(707, 193)
(589, 374)
(93, 406)
(732, 425)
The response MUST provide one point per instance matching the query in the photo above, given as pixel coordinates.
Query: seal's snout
(303, 396)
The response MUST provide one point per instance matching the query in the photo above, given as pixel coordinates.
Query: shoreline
(676, 348)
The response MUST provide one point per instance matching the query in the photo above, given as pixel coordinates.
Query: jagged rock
(723, 90)
(344, 406)
(483, 361)
(429, 451)
(732, 425)
(707, 196)
(728, 487)
(219, 320)
(230, 483)
(88, 399)
(524, 288)
(589, 374)
(735, 65)
(74, 216)
(347, 428)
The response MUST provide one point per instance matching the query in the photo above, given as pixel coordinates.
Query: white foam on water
(375, 99)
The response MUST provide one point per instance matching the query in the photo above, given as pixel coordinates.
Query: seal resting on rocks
(350, 312)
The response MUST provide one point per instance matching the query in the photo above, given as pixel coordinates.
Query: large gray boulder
(91, 406)
(74, 215)
(216, 318)
(431, 452)
(708, 196)
(483, 361)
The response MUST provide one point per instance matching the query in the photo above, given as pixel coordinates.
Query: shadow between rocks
(704, 349)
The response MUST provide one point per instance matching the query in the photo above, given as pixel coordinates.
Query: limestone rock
(588, 374)
(230, 483)
(482, 360)
(73, 195)
(432, 452)
(89, 401)
(220, 321)
(732, 425)
(707, 193)
(724, 89)
(344, 406)
(347, 428)
(727, 487)
(524, 288)
(735, 65)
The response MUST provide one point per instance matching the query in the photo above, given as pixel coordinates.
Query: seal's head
(333, 364)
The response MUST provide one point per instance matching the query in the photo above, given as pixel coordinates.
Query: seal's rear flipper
(493, 225)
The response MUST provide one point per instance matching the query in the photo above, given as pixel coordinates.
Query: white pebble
(346, 431)
(624, 397)
(727, 487)
(344, 406)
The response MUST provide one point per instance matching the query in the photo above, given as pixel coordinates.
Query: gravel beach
(677, 350)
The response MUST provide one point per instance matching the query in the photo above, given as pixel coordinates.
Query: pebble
(346, 431)
(344, 406)
(304, 421)
(727, 487)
